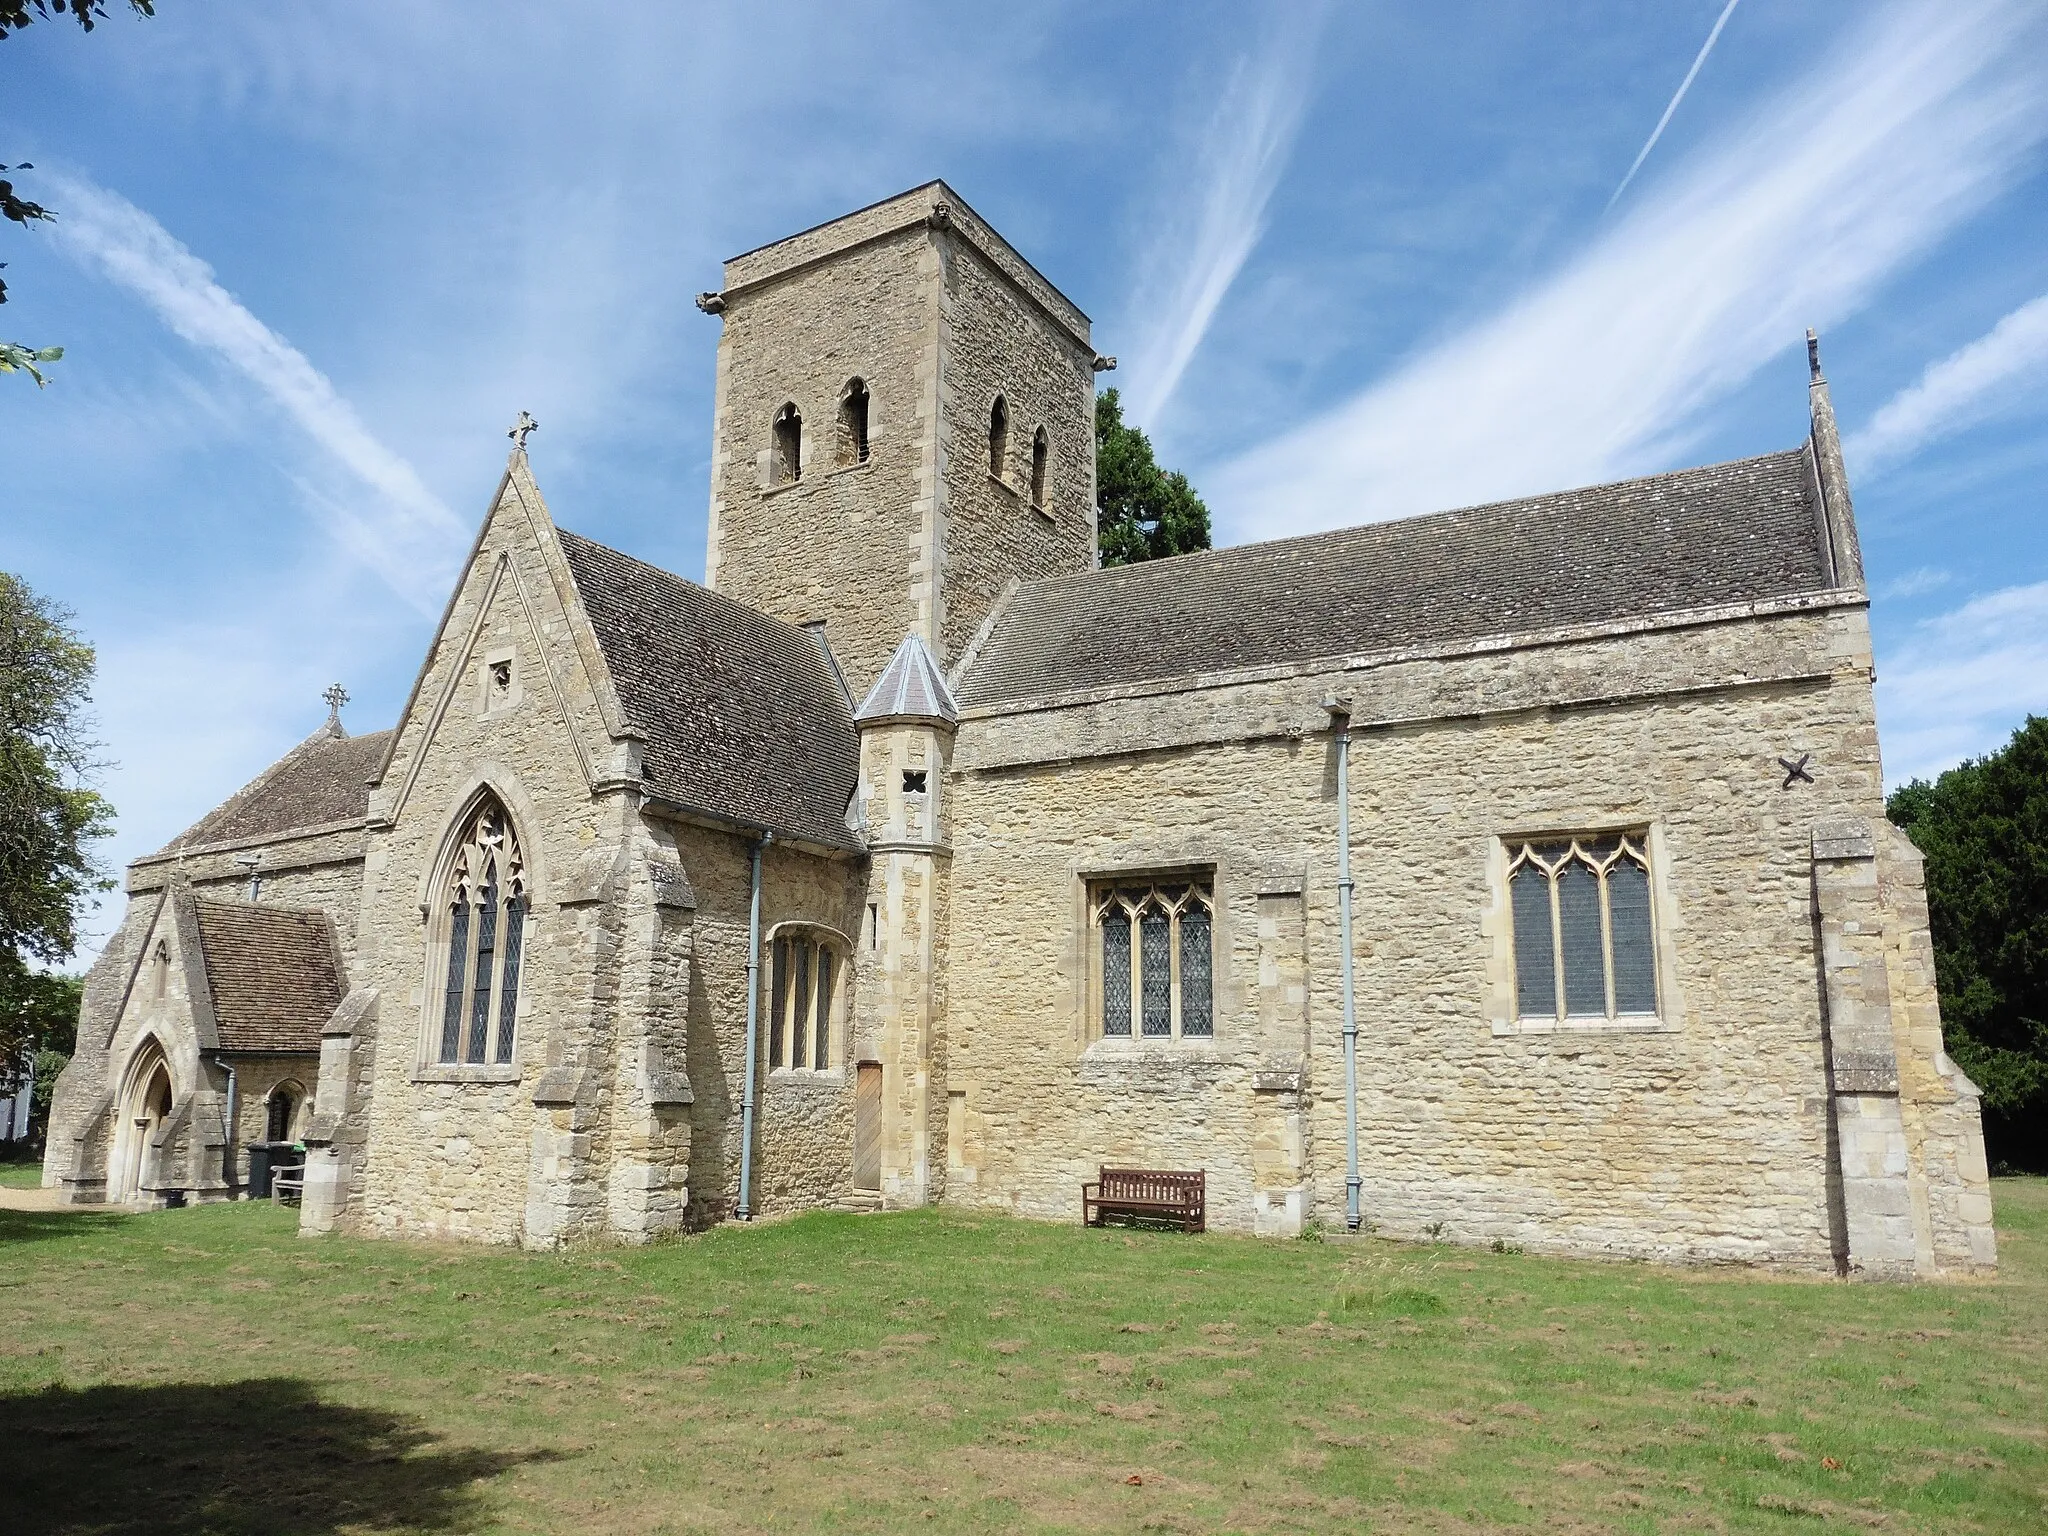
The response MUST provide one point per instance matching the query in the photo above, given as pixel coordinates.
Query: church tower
(904, 426)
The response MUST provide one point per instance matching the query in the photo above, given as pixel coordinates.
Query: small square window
(914, 781)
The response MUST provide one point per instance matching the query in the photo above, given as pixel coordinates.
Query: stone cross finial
(520, 429)
(1813, 354)
(336, 696)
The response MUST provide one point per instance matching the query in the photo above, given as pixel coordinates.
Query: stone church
(914, 859)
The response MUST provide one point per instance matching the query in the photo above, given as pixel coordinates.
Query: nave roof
(1727, 534)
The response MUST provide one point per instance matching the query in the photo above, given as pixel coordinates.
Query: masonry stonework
(909, 725)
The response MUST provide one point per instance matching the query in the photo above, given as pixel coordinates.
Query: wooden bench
(1145, 1194)
(288, 1187)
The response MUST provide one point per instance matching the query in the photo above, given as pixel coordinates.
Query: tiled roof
(324, 779)
(1729, 533)
(271, 972)
(911, 687)
(746, 717)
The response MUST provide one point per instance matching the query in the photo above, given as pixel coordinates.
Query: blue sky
(1358, 261)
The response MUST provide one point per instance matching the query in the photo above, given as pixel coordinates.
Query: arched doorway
(281, 1111)
(145, 1106)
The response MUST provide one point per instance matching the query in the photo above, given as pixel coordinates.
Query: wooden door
(867, 1126)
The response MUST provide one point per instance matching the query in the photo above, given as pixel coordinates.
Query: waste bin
(267, 1159)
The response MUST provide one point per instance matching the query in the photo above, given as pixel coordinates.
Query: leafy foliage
(1983, 828)
(17, 356)
(1142, 511)
(16, 14)
(49, 814)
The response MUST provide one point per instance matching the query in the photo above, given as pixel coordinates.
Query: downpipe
(227, 1133)
(746, 1208)
(1340, 723)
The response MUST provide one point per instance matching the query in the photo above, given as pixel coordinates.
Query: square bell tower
(905, 423)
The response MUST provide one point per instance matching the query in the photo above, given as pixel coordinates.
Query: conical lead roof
(911, 687)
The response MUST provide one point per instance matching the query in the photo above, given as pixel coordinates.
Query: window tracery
(1583, 929)
(1157, 959)
(484, 916)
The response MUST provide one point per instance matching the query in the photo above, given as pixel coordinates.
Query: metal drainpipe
(746, 1210)
(1340, 721)
(228, 1130)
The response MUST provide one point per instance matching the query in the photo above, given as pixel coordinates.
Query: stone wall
(847, 543)
(1704, 1137)
(937, 315)
(998, 343)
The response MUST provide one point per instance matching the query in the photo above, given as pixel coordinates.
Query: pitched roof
(271, 973)
(1730, 533)
(746, 717)
(323, 780)
(911, 687)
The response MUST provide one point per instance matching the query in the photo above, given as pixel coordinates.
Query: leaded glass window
(806, 976)
(1157, 966)
(1584, 946)
(483, 937)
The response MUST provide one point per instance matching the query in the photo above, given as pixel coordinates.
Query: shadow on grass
(61, 1225)
(250, 1458)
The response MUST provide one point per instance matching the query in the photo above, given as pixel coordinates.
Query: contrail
(401, 530)
(1683, 86)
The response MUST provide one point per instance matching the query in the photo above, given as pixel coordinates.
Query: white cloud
(1194, 259)
(1962, 683)
(1917, 583)
(1960, 390)
(402, 531)
(1795, 218)
(1677, 96)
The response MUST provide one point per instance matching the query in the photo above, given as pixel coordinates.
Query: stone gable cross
(520, 429)
(336, 696)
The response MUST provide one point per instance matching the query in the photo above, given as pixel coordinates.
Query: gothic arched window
(853, 424)
(788, 462)
(1038, 452)
(1585, 946)
(483, 915)
(998, 437)
(1158, 962)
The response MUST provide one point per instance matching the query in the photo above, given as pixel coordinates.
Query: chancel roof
(271, 979)
(746, 718)
(322, 781)
(1736, 533)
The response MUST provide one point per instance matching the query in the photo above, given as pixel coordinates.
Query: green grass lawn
(21, 1175)
(208, 1370)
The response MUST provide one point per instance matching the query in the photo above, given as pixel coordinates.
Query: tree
(1142, 512)
(49, 813)
(16, 356)
(1983, 828)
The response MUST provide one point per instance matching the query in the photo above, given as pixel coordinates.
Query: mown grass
(21, 1175)
(208, 1370)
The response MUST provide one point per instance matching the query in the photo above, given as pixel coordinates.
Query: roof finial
(1813, 354)
(336, 696)
(520, 429)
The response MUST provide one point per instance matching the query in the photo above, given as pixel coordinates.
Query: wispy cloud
(1960, 390)
(1684, 85)
(1796, 218)
(1963, 682)
(1917, 583)
(1194, 259)
(401, 530)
